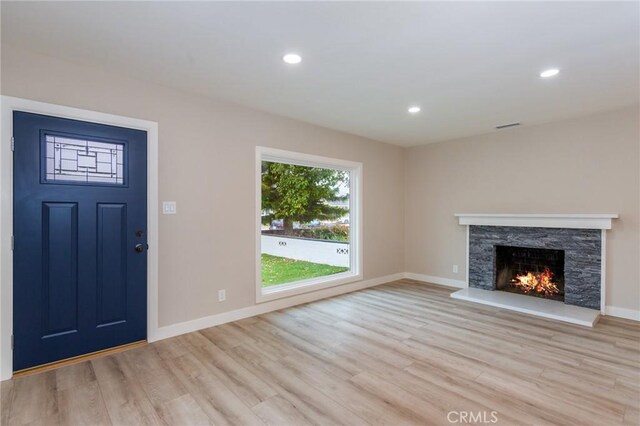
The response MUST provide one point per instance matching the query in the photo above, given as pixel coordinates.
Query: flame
(541, 283)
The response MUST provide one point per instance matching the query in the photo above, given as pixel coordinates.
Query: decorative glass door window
(83, 161)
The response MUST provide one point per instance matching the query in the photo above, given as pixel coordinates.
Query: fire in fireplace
(531, 271)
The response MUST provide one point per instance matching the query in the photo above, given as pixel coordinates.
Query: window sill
(281, 291)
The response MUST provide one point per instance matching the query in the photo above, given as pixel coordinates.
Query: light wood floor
(401, 353)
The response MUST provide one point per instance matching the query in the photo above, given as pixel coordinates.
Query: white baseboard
(262, 308)
(449, 282)
(625, 313)
(238, 314)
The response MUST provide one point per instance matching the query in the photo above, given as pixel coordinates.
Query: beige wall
(207, 161)
(586, 165)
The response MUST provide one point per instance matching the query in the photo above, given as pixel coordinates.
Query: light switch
(169, 207)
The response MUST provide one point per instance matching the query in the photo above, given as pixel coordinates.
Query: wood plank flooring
(402, 353)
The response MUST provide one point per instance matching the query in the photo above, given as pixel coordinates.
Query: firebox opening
(531, 271)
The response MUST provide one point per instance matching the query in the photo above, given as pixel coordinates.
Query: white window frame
(355, 223)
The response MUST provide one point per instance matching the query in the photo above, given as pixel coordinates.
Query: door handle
(139, 248)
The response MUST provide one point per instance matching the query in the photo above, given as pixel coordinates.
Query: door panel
(112, 263)
(60, 277)
(80, 194)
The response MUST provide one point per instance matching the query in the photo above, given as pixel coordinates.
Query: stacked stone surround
(582, 259)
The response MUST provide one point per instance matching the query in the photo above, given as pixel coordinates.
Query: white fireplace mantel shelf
(581, 221)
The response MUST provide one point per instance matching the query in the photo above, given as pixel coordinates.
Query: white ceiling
(471, 66)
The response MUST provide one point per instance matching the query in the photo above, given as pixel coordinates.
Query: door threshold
(77, 359)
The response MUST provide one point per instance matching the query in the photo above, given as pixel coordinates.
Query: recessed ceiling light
(549, 73)
(292, 58)
(413, 109)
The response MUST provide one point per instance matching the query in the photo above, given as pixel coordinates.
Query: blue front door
(80, 238)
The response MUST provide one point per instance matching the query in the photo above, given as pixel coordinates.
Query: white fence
(316, 251)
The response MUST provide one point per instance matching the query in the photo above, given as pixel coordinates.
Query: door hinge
(13, 345)
(13, 144)
(12, 242)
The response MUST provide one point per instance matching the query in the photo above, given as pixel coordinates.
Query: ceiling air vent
(504, 126)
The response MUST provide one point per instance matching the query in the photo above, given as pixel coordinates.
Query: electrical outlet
(455, 269)
(222, 295)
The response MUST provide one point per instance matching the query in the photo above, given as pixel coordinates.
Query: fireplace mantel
(579, 221)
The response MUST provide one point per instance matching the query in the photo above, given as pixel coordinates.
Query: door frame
(9, 104)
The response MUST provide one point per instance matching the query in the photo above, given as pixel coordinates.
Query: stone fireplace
(581, 258)
(549, 265)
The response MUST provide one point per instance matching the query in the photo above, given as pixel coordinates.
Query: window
(83, 161)
(308, 223)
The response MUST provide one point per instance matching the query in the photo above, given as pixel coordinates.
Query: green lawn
(280, 270)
